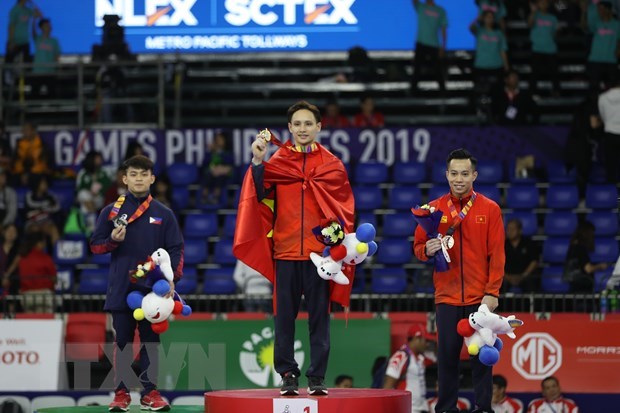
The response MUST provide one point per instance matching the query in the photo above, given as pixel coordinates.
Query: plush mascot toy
(343, 249)
(480, 331)
(157, 305)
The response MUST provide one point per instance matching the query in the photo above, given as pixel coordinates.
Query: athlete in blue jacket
(131, 229)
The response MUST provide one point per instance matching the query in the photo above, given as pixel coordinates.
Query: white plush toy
(160, 259)
(480, 331)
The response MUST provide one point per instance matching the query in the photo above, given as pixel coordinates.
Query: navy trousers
(294, 278)
(125, 326)
(448, 358)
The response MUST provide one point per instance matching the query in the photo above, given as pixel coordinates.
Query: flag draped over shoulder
(330, 185)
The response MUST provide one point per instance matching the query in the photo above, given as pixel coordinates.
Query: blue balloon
(326, 252)
(365, 232)
(134, 299)
(187, 310)
(372, 248)
(488, 355)
(499, 344)
(161, 287)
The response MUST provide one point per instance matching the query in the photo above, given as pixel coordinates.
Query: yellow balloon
(362, 247)
(138, 314)
(473, 350)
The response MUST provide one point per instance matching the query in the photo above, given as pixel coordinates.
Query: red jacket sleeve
(497, 254)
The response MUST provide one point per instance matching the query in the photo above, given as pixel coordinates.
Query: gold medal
(265, 135)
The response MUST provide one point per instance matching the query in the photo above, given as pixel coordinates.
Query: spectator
(578, 268)
(344, 382)
(497, 8)
(32, 155)
(501, 402)
(362, 67)
(18, 42)
(491, 59)
(462, 404)
(522, 257)
(332, 118)
(42, 209)
(368, 117)
(9, 259)
(8, 201)
(46, 56)
(116, 189)
(429, 52)
(511, 105)
(92, 184)
(407, 366)
(552, 400)
(37, 274)
(609, 109)
(255, 287)
(543, 29)
(133, 148)
(162, 190)
(6, 152)
(603, 58)
(218, 168)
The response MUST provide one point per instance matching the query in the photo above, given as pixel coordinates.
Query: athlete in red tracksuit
(474, 277)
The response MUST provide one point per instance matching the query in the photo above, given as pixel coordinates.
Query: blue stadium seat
(490, 191)
(70, 252)
(436, 191)
(195, 251)
(371, 173)
(490, 172)
(102, 259)
(605, 222)
(605, 250)
(529, 221)
(219, 281)
(230, 222)
(597, 174)
(389, 280)
(400, 224)
(555, 249)
(560, 223)
(394, 251)
(409, 172)
(222, 202)
(552, 281)
(21, 192)
(562, 197)
(558, 174)
(522, 197)
(601, 196)
(423, 280)
(367, 197)
(65, 195)
(93, 281)
(369, 217)
(64, 280)
(200, 225)
(601, 278)
(182, 174)
(404, 197)
(223, 252)
(359, 282)
(438, 173)
(180, 198)
(188, 282)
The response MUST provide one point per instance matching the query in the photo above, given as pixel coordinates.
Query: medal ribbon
(458, 217)
(119, 202)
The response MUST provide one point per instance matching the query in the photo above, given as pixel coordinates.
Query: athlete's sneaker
(290, 384)
(153, 401)
(316, 386)
(121, 402)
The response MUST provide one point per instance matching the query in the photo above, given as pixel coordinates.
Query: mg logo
(536, 356)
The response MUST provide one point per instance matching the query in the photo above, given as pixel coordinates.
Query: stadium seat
(200, 225)
(367, 217)
(222, 202)
(438, 173)
(601, 278)
(195, 251)
(558, 174)
(223, 254)
(555, 249)
(529, 221)
(552, 281)
(490, 191)
(85, 336)
(409, 172)
(367, 197)
(605, 222)
(64, 280)
(66, 196)
(182, 174)
(188, 282)
(423, 280)
(101, 259)
(490, 172)
(219, 281)
(230, 222)
(359, 282)
(597, 174)
(180, 198)
(519, 180)
(400, 224)
(560, 223)
(394, 251)
(601, 196)
(93, 281)
(70, 252)
(389, 280)
(436, 191)
(371, 173)
(21, 192)
(605, 250)
(522, 197)
(562, 197)
(404, 197)
(42, 402)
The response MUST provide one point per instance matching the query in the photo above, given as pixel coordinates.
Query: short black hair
(302, 104)
(500, 381)
(519, 224)
(462, 154)
(549, 378)
(42, 22)
(342, 378)
(138, 162)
